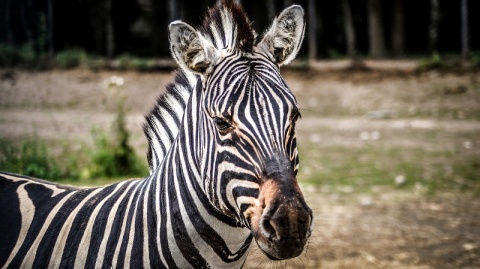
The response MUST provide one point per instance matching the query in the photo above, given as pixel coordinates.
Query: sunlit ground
(390, 161)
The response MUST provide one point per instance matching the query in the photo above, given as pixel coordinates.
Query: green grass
(31, 158)
(102, 164)
(112, 158)
(70, 58)
(362, 168)
(359, 168)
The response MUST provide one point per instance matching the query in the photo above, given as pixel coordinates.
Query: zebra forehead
(228, 27)
(259, 80)
(252, 70)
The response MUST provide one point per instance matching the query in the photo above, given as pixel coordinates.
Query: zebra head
(247, 153)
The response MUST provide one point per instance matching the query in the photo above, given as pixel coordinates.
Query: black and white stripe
(223, 160)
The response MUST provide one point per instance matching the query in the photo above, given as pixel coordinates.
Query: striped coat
(223, 162)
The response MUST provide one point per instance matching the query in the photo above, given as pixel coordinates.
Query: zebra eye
(221, 123)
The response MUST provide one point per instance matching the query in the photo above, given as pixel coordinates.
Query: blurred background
(364, 28)
(389, 91)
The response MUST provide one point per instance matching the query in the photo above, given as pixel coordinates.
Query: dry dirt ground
(384, 228)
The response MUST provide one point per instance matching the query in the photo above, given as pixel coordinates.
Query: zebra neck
(188, 225)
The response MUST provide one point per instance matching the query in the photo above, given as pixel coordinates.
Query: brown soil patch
(386, 228)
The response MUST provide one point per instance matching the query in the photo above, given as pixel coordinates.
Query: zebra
(222, 159)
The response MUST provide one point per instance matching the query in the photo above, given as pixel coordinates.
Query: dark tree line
(356, 28)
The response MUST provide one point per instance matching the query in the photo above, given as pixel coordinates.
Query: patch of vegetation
(111, 156)
(8, 55)
(106, 163)
(96, 63)
(70, 58)
(475, 59)
(31, 158)
(28, 57)
(114, 157)
(23, 56)
(129, 62)
(335, 54)
(433, 62)
(366, 167)
(451, 61)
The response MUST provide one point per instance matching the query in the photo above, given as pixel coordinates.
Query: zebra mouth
(282, 225)
(282, 250)
(280, 243)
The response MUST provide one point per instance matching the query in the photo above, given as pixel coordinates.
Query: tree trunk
(172, 10)
(312, 31)
(7, 22)
(375, 27)
(349, 29)
(433, 28)
(109, 31)
(51, 50)
(398, 30)
(465, 46)
(24, 22)
(270, 9)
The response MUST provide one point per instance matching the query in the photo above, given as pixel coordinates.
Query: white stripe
(157, 209)
(84, 245)
(55, 190)
(235, 235)
(61, 241)
(30, 256)
(27, 211)
(177, 256)
(132, 234)
(108, 227)
(132, 196)
(234, 183)
(146, 239)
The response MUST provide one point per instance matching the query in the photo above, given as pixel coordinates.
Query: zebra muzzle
(283, 222)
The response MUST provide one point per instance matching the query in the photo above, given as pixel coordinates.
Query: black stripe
(77, 229)
(49, 238)
(126, 232)
(136, 257)
(154, 254)
(44, 203)
(116, 228)
(100, 223)
(185, 244)
(208, 234)
(10, 216)
(167, 255)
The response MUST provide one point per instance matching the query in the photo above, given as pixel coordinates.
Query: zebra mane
(162, 123)
(227, 27)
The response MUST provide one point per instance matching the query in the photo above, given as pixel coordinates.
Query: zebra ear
(190, 49)
(284, 38)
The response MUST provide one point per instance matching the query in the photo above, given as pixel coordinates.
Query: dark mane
(245, 35)
(162, 123)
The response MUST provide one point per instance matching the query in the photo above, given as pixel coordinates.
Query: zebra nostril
(269, 229)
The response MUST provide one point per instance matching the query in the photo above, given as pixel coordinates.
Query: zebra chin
(282, 222)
